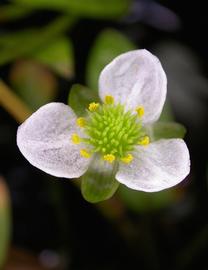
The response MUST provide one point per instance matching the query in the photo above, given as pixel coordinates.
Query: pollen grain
(75, 138)
(81, 122)
(144, 141)
(140, 111)
(84, 153)
(109, 158)
(127, 159)
(109, 100)
(93, 106)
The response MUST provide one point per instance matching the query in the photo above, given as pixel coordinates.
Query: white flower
(133, 90)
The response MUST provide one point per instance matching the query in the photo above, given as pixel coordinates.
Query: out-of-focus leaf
(167, 130)
(12, 12)
(166, 127)
(98, 183)
(108, 45)
(143, 202)
(23, 43)
(79, 98)
(5, 222)
(86, 8)
(34, 83)
(57, 55)
(167, 114)
(187, 86)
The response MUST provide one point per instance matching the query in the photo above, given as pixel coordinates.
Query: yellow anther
(93, 106)
(81, 122)
(144, 140)
(109, 100)
(75, 138)
(84, 153)
(109, 158)
(140, 111)
(127, 159)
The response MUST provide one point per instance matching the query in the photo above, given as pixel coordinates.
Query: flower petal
(45, 141)
(136, 78)
(158, 166)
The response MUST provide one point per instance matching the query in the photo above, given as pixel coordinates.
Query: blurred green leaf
(167, 114)
(139, 201)
(34, 83)
(166, 127)
(167, 130)
(57, 55)
(98, 183)
(23, 43)
(109, 44)
(80, 97)
(5, 222)
(12, 12)
(86, 8)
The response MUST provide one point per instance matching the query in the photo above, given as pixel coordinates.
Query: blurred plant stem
(5, 221)
(13, 104)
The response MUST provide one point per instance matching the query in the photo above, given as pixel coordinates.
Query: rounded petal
(136, 78)
(158, 166)
(45, 141)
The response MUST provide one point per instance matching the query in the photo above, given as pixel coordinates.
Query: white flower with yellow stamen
(133, 91)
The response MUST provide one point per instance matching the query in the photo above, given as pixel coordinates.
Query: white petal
(158, 166)
(45, 141)
(136, 78)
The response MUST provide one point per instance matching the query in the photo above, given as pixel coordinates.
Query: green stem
(13, 104)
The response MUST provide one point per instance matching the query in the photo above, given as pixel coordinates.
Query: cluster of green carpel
(111, 131)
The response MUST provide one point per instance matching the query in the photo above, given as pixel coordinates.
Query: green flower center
(111, 131)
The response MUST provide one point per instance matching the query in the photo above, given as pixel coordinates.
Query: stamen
(75, 138)
(140, 111)
(84, 153)
(93, 106)
(81, 122)
(144, 140)
(109, 100)
(109, 158)
(127, 159)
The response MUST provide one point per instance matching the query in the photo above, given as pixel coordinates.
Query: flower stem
(13, 104)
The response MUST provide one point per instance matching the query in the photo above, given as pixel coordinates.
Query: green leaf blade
(110, 9)
(58, 56)
(79, 98)
(141, 202)
(167, 130)
(109, 44)
(13, 12)
(26, 42)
